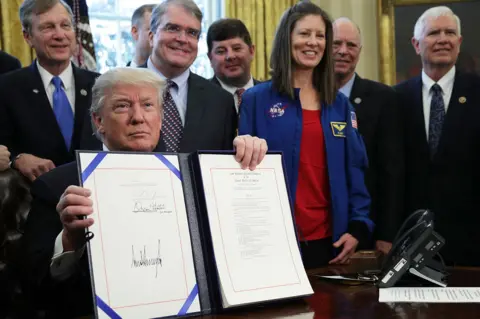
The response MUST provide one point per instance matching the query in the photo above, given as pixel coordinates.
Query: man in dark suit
(42, 107)
(379, 124)
(8, 63)
(441, 108)
(56, 267)
(231, 52)
(199, 115)
(140, 29)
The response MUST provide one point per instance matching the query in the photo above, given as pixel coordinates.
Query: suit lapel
(82, 98)
(40, 107)
(358, 93)
(459, 102)
(418, 118)
(195, 110)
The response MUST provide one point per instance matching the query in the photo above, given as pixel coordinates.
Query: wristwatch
(12, 163)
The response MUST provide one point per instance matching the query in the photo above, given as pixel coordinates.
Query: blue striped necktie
(437, 116)
(63, 111)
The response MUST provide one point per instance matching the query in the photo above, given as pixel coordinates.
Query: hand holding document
(141, 255)
(253, 235)
(430, 295)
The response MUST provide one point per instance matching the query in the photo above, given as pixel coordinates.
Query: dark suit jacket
(210, 121)
(8, 63)
(381, 128)
(27, 121)
(65, 299)
(449, 183)
(215, 80)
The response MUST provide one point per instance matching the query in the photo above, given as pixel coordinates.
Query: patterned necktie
(239, 93)
(172, 129)
(63, 111)
(437, 116)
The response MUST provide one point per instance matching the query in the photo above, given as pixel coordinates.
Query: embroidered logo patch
(277, 110)
(338, 128)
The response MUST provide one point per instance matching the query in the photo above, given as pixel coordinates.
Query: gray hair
(434, 13)
(161, 9)
(348, 20)
(126, 76)
(36, 7)
(139, 13)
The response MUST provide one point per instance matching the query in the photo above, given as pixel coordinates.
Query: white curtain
(363, 13)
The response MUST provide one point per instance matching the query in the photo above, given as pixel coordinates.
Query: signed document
(252, 229)
(140, 255)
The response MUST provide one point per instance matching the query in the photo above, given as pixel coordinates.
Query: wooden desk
(338, 301)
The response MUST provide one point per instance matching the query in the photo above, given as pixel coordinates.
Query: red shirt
(312, 207)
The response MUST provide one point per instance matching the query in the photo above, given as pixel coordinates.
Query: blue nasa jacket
(278, 119)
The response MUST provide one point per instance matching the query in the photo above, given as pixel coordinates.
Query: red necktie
(239, 93)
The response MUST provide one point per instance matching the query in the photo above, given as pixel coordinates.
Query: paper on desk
(433, 294)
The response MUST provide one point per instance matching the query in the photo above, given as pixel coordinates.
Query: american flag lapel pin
(354, 119)
(35, 91)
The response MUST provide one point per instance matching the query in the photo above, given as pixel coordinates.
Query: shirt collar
(66, 76)
(232, 89)
(347, 88)
(445, 82)
(132, 63)
(105, 148)
(180, 80)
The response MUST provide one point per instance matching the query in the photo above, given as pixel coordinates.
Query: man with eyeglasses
(198, 113)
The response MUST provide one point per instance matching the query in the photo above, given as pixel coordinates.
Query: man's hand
(4, 158)
(32, 167)
(349, 245)
(250, 150)
(383, 246)
(73, 206)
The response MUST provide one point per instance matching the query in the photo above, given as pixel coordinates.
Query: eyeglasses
(178, 30)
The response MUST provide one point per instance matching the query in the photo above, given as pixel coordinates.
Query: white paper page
(141, 253)
(254, 240)
(433, 295)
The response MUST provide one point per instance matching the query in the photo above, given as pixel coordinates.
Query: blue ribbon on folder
(100, 303)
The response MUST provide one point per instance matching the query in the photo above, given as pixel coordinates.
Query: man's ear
(252, 49)
(97, 119)
(28, 38)
(134, 33)
(416, 45)
(150, 38)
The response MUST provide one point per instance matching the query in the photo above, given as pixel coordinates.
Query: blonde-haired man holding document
(127, 114)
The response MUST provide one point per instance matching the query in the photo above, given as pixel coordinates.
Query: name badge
(338, 128)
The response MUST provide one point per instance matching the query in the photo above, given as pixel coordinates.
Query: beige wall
(364, 13)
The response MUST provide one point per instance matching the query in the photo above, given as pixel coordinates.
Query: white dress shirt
(68, 81)
(132, 63)
(347, 88)
(233, 89)
(446, 83)
(180, 93)
(63, 263)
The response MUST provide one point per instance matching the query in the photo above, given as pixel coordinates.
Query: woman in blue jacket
(300, 113)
